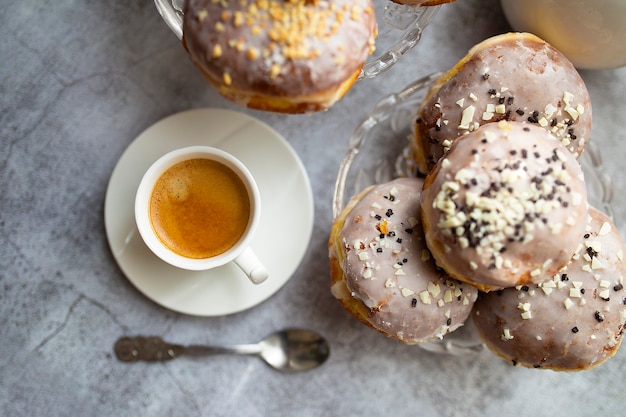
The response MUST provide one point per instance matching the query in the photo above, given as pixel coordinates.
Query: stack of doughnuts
(288, 56)
(502, 210)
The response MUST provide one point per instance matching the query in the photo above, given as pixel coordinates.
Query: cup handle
(251, 266)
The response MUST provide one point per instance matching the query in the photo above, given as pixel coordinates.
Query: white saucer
(282, 236)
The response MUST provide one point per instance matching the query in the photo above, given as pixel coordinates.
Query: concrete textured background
(79, 80)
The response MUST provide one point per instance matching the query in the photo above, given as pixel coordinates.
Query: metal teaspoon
(289, 350)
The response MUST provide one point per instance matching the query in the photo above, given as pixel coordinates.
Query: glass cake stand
(399, 30)
(378, 151)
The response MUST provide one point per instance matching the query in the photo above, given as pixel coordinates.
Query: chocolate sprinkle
(599, 316)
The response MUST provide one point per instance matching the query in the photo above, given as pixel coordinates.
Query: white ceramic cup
(240, 253)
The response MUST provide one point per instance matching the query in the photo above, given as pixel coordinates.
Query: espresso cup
(197, 208)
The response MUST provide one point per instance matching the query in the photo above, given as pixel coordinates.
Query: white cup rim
(142, 206)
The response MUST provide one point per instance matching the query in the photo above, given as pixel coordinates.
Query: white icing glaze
(280, 49)
(504, 206)
(570, 321)
(516, 77)
(388, 267)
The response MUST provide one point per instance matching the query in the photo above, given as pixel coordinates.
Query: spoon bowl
(289, 350)
(294, 350)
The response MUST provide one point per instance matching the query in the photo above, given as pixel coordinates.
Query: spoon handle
(155, 349)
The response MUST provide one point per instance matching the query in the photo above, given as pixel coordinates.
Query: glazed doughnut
(505, 206)
(288, 56)
(573, 320)
(514, 76)
(382, 272)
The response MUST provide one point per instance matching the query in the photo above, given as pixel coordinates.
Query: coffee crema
(199, 208)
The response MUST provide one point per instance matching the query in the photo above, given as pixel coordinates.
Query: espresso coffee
(199, 208)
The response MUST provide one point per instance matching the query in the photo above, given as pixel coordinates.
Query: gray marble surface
(79, 80)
